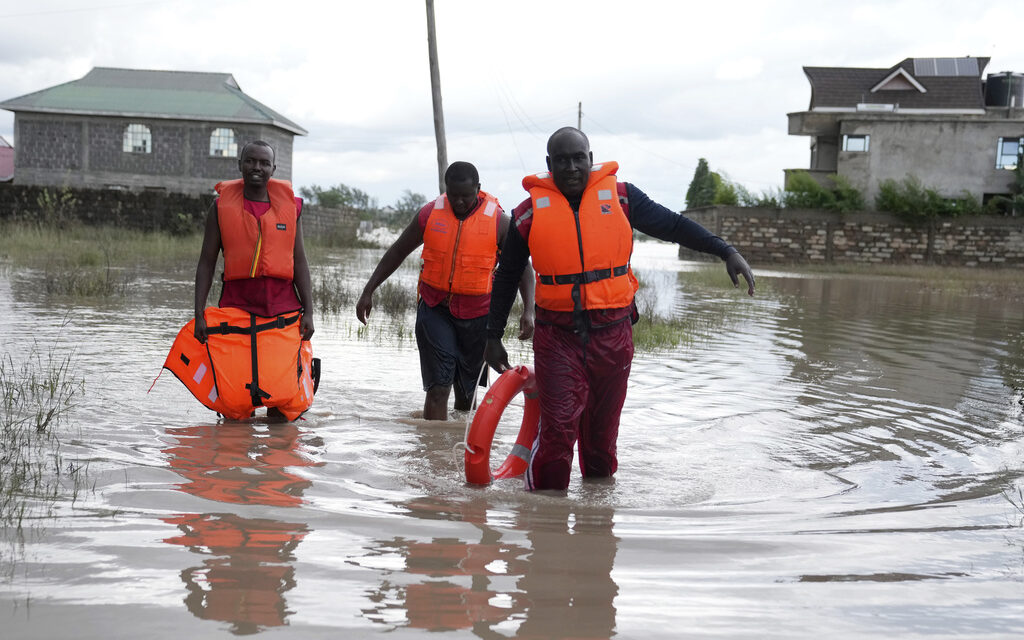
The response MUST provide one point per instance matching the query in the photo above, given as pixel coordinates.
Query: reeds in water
(36, 395)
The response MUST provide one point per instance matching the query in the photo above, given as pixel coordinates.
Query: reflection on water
(556, 583)
(248, 571)
(828, 458)
(249, 565)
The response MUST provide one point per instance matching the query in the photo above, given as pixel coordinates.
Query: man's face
(257, 165)
(569, 161)
(462, 195)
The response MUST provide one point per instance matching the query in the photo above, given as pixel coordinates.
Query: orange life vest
(459, 255)
(257, 247)
(589, 253)
(247, 361)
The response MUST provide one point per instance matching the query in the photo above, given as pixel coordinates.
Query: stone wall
(144, 210)
(800, 236)
(147, 210)
(333, 226)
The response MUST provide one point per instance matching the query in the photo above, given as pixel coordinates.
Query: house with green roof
(171, 131)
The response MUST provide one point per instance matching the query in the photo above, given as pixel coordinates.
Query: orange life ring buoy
(481, 433)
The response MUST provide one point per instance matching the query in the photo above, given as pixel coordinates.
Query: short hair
(565, 130)
(257, 143)
(459, 171)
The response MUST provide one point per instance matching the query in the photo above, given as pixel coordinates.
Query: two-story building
(171, 131)
(932, 118)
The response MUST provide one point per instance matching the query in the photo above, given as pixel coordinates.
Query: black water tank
(1005, 89)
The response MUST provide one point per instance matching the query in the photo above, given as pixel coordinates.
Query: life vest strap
(585, 277)
(280, 322)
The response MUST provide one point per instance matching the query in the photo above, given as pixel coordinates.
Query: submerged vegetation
(36, 397)
(84, 246)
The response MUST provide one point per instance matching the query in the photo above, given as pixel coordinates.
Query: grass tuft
(36, 396)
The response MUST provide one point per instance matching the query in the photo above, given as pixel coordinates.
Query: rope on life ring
(485, 422)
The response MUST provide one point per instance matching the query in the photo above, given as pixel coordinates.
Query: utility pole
(579, 116)
(435, 92)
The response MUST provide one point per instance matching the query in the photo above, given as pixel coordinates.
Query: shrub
(804, 192)
(911, 201)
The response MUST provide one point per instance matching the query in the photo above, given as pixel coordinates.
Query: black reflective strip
(184, 358)
(254, 385)
(586, 277)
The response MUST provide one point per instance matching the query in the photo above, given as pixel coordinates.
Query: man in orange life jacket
(278, 281)
(577, 226)
(461, 233)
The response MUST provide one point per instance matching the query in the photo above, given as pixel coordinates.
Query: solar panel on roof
(945, 66)
(967, 66)
(924, 66)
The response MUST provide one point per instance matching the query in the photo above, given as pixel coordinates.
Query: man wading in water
(578, 226)
(261, 217)
(461, 235)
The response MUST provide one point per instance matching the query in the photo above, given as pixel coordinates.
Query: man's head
(462, 184)
(256, 162)
(569, 161)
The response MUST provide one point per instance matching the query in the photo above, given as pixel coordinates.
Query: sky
(660, 84)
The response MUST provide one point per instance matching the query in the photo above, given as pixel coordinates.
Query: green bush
(911, 201)
(803, 192)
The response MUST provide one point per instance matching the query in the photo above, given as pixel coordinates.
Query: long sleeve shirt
(644, 215)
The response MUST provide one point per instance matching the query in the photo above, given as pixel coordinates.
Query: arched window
(137, 139)
(222, 143)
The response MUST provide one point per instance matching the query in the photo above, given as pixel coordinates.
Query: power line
(641, 147)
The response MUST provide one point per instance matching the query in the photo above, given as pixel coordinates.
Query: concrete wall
(799, 236)
(948, 155)
(85, 151)
(950, 152)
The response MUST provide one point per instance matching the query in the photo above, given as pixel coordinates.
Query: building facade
(171, 131)
(935, 119)
(6, 160)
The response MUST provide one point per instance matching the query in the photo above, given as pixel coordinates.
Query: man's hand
(363, 307)
(526, 324)
(306, 325)
(199, 330)
(496, 356)
(735, 266)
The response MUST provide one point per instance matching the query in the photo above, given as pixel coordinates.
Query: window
(1006, 153)
(137, 139)
(855, 143)
(222, 143)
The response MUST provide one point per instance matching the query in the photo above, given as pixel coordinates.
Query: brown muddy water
(832, 458)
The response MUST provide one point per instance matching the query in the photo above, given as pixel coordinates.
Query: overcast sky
(661, 83)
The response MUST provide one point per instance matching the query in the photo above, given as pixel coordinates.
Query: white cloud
(661, 84)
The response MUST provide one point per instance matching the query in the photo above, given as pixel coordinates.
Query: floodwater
(832, 458)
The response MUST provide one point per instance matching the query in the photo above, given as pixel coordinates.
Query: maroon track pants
(582, 390)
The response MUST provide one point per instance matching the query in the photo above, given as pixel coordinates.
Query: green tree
(405, 208)
(342, 196)
(701, 192)
(725, 191)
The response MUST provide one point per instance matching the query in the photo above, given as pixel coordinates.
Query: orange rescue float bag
(481, 433)
(248, 361)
